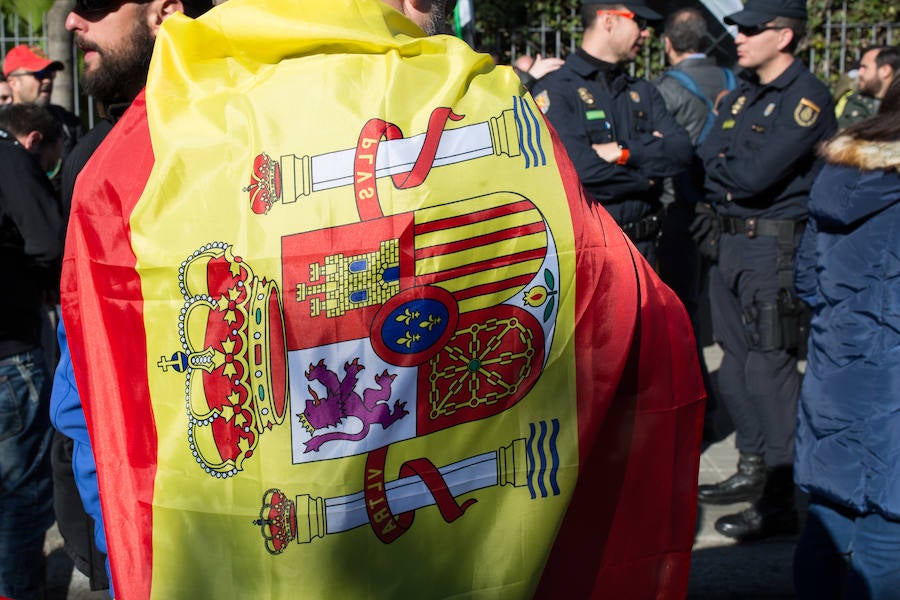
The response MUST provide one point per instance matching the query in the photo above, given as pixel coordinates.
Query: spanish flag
(345, 326)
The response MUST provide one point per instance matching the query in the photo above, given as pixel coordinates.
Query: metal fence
(17, 31)
(831, 50)
(844, 43)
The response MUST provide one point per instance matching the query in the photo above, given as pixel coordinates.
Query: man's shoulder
(698, 65)
(807, 84)
(63, 115)
(562, 77)
(12, 151)
(806, 99)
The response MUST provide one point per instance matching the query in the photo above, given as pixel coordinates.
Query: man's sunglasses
(39, 75)
(752, 30)
(640, 21)
(86, 7)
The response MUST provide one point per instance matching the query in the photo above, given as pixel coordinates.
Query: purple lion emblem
(342, 401)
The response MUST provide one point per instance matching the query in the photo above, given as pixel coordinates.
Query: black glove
(705, 230)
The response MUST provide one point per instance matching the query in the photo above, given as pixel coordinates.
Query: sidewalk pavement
(720, 568)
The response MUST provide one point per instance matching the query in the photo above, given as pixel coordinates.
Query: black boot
(744, 486)
(773, 514)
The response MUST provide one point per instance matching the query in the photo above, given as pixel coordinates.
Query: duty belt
(644, 230)
(784, 230)
(781, 229)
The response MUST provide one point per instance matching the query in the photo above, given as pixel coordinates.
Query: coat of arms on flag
(387, 329)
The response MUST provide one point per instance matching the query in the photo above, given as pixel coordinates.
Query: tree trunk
(61, 48)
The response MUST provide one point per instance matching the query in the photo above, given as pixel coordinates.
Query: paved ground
(720, 569)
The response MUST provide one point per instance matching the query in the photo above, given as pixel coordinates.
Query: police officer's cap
(757, 12)
(638, 7)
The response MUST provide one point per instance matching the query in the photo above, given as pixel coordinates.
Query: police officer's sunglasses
(640, 21)
(752, 30)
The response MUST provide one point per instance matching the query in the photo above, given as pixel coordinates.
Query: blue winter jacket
(848, 270)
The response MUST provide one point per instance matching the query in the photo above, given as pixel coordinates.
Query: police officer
(760, 163)
(615, 127)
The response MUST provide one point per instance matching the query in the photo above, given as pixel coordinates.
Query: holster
(784, 323)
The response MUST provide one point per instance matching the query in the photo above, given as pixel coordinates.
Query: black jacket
(589, 104)
(760, 156)
(30, 245)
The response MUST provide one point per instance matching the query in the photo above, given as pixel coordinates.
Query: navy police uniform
(589, 101)
(760, 164)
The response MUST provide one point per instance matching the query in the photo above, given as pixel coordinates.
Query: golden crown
(234, 358)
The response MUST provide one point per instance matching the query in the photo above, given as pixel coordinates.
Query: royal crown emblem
(265, 184)
(234, 358)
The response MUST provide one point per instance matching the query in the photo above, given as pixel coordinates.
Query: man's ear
(667, 45)
(160, 10)
(31, 141)
(785, 37)
(419, 5)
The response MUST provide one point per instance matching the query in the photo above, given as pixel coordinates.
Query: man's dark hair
(887, 55)
(22, 119)
(195, 8)
(686, 30)
(589, 12)
(798, 26)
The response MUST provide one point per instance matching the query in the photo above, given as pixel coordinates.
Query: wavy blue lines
(543, 456)
(529, 134)
(555, 455)
(516, 102)
(529, 447)
(543, 446)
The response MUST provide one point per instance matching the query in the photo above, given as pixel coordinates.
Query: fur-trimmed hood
(862, 154)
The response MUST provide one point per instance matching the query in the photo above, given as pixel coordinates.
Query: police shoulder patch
(806, 113)
(543, 101)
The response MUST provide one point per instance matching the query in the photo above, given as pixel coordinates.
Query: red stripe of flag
(484, 265)
(491, 288)
(480, 240)
(473, 217)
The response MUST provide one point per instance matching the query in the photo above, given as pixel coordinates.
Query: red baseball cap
(31, 59)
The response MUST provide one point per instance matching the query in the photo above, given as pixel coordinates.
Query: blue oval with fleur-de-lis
(415, 326)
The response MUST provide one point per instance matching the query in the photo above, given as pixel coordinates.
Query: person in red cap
(30, 73)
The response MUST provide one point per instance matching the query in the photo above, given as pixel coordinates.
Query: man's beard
(869, 88)
(437, 18)
(120, 73)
